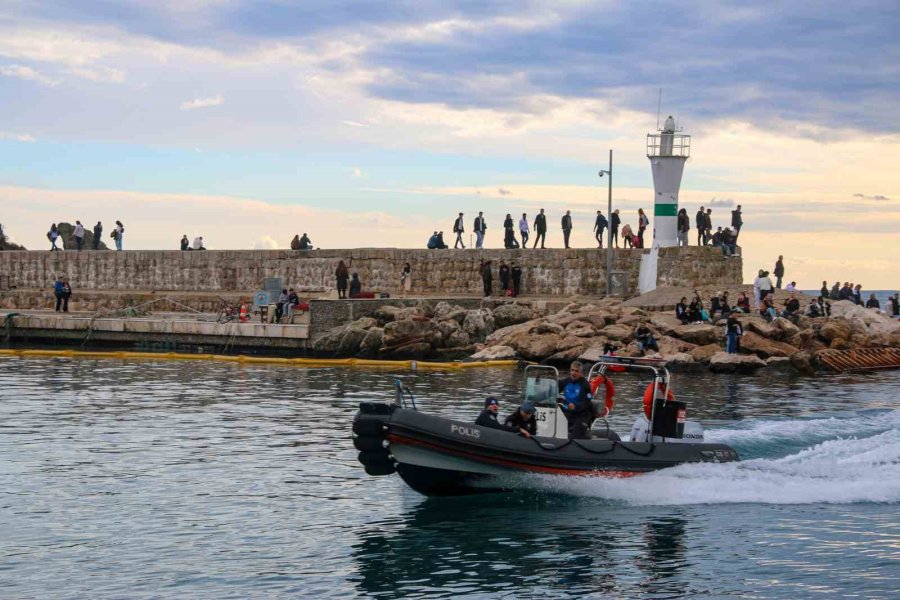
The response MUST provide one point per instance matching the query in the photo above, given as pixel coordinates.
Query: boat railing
(628, 363)
(402, 393)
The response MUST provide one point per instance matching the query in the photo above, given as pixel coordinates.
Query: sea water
(168, 479)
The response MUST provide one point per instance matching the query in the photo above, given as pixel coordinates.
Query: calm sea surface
(181, 479)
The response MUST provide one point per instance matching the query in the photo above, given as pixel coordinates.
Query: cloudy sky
(373, 124)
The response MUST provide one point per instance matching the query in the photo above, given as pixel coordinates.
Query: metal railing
(668, 144)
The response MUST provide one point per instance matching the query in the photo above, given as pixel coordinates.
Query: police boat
(437, 456)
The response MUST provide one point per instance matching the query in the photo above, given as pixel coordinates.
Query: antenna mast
(658, 105)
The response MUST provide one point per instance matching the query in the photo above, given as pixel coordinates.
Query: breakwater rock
(582, 330)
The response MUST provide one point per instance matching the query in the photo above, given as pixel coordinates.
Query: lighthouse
(667, 150)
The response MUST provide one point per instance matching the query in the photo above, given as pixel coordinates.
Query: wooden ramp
(866, 359)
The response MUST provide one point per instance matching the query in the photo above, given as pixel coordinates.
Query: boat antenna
(658, 106)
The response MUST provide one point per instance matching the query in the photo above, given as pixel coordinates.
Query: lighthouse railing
(668, 144)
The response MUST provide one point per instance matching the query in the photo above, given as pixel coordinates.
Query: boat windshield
(541, 385)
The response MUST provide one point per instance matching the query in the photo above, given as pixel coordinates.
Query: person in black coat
(736, 221)
(516, 274)
(487, 278)
(540, 229)
(600, 224)
(523, 420)
(700, 222)
(567, 227)
(488, 417)
(614, 221)
(98, 231)
(504, 277)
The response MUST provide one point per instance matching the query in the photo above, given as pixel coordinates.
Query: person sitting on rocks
(433, 242)
(441, 244)
(872, 302)
(694, 314)
(681, 311)
(715, 306)
(743, 303)
(767, 309)
(645, 340)
(198, 243)
(791, 287)
(791, 306)
(729, 242)
(523, 420)
(295, 243)
(814, 310)
(305, 242)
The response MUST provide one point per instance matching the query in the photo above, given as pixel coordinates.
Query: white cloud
(354, 124)
(19, 137)
(357, 172)
(26, 73)
(202, 103)
(99, 74)
(265, 243)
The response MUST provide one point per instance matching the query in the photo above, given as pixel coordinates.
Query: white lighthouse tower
(667, 150)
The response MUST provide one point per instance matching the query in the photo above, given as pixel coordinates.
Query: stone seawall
(574, 272)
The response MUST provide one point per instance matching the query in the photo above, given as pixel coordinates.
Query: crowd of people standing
(726, 238)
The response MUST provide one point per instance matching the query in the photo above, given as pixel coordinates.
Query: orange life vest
(610, 401)
(648, 398)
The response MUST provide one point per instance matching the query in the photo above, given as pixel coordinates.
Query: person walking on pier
(480, 227)
(342, 274)
(643, 224)
(53, 235)
(684, 225)
(600, 224)
(78, 235)
(523, 230)
(119, 234)
(98, 231)
(736, 221)
(700, 222)
(540, 228)
(509, 238)
(459, 228)
(567, 227)
(614, 221)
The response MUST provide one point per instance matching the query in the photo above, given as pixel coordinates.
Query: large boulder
(500, 335)
(494, 353)
(386, 314)
(594, 352)
(344, 340)
(372, 342)
(669, 346)
(781, 363)
(411, 350)
(680, 360)
(666, 323)
(704, 353)
(836, 329)
(478, 324)
(699, 333)
(512, 314)
(758, 325)
(803, 362)
(765, 348)
(67, 237)
(617, 332)
(784, 329)
(807, 339)
(534, 346)
(397, 333)
(723, 362)
(580, 329)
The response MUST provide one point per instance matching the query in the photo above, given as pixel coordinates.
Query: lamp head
(602, 173)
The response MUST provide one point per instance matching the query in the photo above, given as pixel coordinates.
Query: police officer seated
(523, 420)
(488, 417)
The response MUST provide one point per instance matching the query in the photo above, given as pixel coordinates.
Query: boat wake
(861, 465)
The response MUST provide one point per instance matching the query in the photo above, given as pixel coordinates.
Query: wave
(840, 471)
(771, 438)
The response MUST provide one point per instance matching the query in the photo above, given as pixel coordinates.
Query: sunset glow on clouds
(365, 126)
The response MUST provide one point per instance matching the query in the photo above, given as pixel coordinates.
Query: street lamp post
(608, 173)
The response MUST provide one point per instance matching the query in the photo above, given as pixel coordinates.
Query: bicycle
(227, 312)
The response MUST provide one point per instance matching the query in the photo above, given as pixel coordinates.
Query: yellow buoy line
(258, 360)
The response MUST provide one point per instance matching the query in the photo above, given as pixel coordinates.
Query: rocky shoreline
(518, 330)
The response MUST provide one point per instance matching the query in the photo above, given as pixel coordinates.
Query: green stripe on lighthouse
(665, 210)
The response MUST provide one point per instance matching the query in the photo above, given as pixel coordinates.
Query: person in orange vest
(662, 391)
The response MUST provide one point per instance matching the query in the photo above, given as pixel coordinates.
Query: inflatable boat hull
(442, 457)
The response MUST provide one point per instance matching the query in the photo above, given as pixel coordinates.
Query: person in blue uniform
(523, 420)
(575, 400)
(488, 417)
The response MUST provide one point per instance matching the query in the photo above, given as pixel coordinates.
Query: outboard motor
(370, 429)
